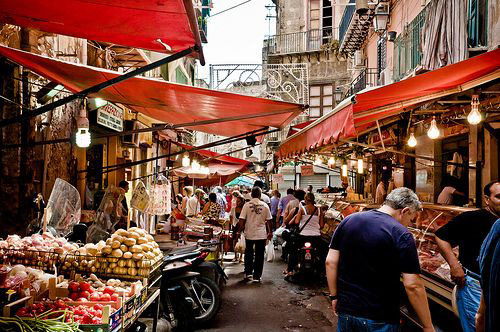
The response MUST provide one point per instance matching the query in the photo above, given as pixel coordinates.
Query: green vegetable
(39, 323)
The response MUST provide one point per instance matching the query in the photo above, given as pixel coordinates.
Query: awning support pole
(98, 87)
(380, 135)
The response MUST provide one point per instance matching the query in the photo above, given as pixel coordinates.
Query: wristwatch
(332, 297)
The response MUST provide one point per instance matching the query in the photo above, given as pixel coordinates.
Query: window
(381, 54)
(477, 23)
(321, 100)
(326, 21)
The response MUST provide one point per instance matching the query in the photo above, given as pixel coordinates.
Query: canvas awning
(214, 155)
(216, 170)
(164, 101)
(146, 24)
(360, 112)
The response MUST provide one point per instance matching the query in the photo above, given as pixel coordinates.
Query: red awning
(167, 102)
(359, 112)
(132, 23)
(215, 155)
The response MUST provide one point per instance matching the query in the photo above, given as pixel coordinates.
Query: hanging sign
(140, 197)
(278, 178)
(307, 170)
(110, 116)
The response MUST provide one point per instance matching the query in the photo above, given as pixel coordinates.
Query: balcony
(353, 28)
(368, 77)
(407, 47)
(299, 42)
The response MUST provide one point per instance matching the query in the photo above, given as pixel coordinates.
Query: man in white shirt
(263, 197)
(193, 206)
(255, 220)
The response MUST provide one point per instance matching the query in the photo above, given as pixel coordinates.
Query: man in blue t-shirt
(368, 254)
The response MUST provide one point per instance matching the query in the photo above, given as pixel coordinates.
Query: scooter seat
(180, 257)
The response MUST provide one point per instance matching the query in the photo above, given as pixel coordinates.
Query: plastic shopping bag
(270, 251)
(279, 231)
(240, 245)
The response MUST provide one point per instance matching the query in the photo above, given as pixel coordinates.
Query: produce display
(127, 254)
(81, 314)
(96, 290)
(24, 280)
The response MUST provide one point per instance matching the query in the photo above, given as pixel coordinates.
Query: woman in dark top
(212, 209)
(240, 201)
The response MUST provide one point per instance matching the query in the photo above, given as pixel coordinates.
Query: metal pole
(98, 87)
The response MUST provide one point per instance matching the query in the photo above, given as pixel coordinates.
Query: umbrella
(242, 181)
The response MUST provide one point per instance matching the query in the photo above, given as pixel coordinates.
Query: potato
(122, 232)
(130, 263)
(117, 253)
(113, 265)
(136, 249)
(109, 241)
(130, 242)
(122, 263)
(133, 235)
(150, 238)
(142, 240)
(123, 248)
(138, 256)
(107, 250)
(132, 271)
(127, 255)
(110, 270)
(116, 244)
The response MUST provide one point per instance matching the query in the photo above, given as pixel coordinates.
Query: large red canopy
(359, 112)
(215, 156)
(141, 24)
(168, 102)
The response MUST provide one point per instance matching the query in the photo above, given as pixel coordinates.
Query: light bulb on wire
(360, 166)
(331, 162)
(195, 166)
(412, 141)
(344, 169)
(433, 131)
(474, 116)
(186, 161)
(83, 137)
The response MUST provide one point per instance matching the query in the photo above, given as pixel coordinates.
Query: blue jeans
(468, 299)
(348, 323)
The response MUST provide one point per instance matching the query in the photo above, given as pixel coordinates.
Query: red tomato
(98, 306)
(84, 286)
(95, 297)
(114, 297)
(85, 294)
(105, 297)
(109, 290)
(73, 286)
(73, 296)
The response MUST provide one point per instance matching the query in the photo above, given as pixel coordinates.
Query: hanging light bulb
(331, 162)
(412, 141)
(318, 161)
(360, 166)
(83, 138)
(344, 169)
(474, 116)
(433, 131)
(186, 161)
(195, 166)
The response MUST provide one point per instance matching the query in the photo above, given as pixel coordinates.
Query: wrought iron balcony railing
(367, 78)
(299, 42)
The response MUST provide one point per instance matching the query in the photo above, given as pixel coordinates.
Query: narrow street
(273, 305)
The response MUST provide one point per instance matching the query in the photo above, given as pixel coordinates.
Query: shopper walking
(275, 201)
(468, 231)
(263, 197)
(284, 202)
(369, 252)
(221, 200)
(255, 221)
(487, 318)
